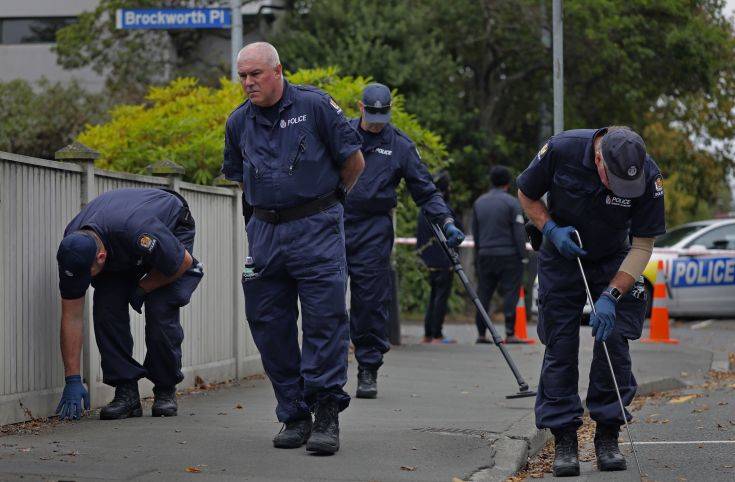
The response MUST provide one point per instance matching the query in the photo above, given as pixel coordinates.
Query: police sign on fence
(164, 19)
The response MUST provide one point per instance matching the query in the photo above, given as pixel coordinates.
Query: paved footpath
(441, 414)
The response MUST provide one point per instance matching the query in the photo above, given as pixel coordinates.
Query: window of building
(32, 30)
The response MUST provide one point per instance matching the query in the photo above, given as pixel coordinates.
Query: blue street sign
(165, 19)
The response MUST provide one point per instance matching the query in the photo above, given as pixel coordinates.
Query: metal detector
(524, 391)
(609, 362)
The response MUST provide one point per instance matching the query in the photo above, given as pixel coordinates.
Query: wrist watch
(614, 293)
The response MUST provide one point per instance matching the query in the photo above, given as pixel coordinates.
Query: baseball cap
(624, 153)
(376, 98)
(75, 257)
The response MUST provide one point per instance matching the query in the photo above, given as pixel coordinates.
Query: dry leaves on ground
(408, 468)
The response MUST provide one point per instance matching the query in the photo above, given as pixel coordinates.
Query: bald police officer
(134, 247)
(389, 157)
(603, 184)
(296, 155)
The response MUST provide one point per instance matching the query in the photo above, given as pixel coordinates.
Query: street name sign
(166, 19)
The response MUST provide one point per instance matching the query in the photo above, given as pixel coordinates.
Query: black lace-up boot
(367, 382)
(164, 402)
(125, 404)
(566, 454)
(325, 435)
(293, 434)
(607, 451)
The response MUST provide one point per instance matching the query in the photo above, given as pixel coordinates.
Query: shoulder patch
(335, 105)
(658, 186)
(147, 243)
(543, 151)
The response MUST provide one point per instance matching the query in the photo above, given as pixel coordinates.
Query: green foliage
(131, 60)
(37, 122)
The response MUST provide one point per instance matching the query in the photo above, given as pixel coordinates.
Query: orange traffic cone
(520, 327)
(659, 311)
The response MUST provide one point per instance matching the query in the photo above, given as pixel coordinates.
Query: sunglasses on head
(377, 110)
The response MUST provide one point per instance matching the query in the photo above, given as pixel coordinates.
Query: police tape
(467, 243)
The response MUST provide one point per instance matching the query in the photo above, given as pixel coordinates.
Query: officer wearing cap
(500, 250)
(389, 157)
(134, 247)
(603, 184)
(295, 154)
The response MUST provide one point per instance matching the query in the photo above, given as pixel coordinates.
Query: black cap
(75, 257)
(624, 153)
(376, 98)
(500, 176)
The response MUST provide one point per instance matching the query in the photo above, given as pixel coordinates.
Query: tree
(131, 60)
(479, 72)
(39, 122)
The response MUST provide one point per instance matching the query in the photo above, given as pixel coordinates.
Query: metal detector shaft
(454, 257)
(609, 361)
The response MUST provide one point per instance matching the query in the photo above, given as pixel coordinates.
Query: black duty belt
(274, 216)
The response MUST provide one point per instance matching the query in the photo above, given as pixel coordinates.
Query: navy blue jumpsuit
(565, 169)
(142, 230)
(286, 163)
(389, 157)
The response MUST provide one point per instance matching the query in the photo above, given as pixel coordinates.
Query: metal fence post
(84, 156)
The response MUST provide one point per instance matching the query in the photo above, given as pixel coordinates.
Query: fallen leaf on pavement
(408, 468)
(238, 406)
(198, 380)
(722, 403)
(457, 479)
(26, 449)
(682, 399)
(193, 470)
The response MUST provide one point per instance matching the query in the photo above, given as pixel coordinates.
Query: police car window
(719, 238)
(677, 234)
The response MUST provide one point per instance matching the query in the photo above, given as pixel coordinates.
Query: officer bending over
(389, 157)
(295, 154)
(603, 184)
(500, 250)
(134, 247)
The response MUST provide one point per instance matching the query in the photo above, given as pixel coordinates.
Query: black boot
(367, 382)
(607, 451)
(294, 435)
(164, 402)
(325, 435)
(566, 454)
(125, 404)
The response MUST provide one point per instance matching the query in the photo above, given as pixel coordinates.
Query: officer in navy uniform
(134, 246)
(296, 156)
(603, 184)
(389, 157)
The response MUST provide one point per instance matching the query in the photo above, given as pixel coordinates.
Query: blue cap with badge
(75, 257)
(376, 98)
(624, 153)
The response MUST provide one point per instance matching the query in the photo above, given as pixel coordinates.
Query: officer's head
(81, 255)
(261, 73)
(619, 157)
(375, 107)
(500, 176)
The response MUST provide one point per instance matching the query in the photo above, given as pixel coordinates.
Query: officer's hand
(70, 406)
(603, 321)
(562, 239)
(137, 299)
(453, 234)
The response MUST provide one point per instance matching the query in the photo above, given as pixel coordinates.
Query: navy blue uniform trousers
(301, 260)
(163, 331)
(561, 300)
(369, 243)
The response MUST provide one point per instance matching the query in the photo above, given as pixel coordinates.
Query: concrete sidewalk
(441, 413)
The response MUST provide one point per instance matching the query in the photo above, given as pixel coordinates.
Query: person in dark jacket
(440, 269)
(500, 249)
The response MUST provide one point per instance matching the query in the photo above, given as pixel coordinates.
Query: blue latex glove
(562, 239)
(453, 234)
(70, 405)
(137, 299)
(603, 321)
